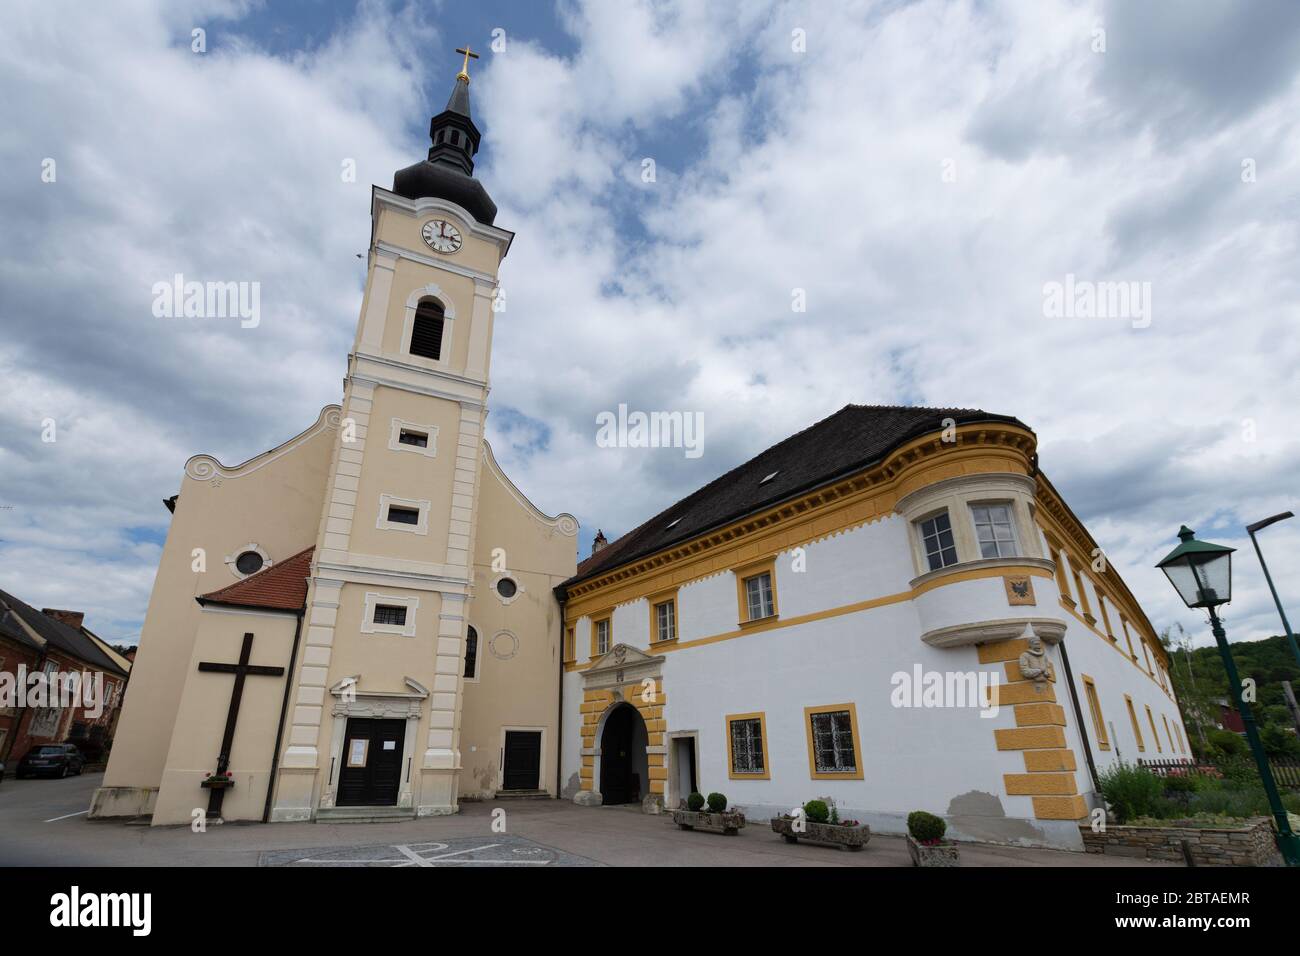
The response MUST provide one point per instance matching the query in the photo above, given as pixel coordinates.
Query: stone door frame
(350, 701)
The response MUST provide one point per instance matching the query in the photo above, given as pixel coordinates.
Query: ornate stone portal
(623, 675)
(350, 701)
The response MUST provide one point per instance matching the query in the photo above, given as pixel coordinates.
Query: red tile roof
(281, 587)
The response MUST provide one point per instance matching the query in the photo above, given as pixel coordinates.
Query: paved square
(502, 850)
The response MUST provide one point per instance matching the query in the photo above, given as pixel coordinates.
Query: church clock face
(441, 236)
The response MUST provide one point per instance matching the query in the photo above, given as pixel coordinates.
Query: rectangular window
(400, 515)
(994, 531)
(1133, 719)
(1094, 708)
(1105, 614)
(408, 437)
(1128, 637)
(747, 746)
(1147, 654)
(666, 621)
(1155, 735)
(936, 541)
(600, 637)
(758, 596)
(1168, 734)
(570, 644)
(390, 614)
(832, 742)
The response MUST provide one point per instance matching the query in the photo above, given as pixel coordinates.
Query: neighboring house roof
(59, 636)
(281, 587)
(12, 628)
(123, 662)
(854, 438)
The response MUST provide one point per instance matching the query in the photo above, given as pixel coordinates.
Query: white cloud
(776, 170)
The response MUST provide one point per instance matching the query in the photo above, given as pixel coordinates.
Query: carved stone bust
(1034, 664)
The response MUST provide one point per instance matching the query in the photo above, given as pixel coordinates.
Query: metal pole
(1287, 841)
(1295, 649)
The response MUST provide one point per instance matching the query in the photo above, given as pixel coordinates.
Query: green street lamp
(1260, 526)
(1201, 573)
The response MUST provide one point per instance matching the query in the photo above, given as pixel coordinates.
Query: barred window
(666, 621)
(994, 530)
(833, 742)
(390, 614)
(936, 540)
(747, 746)
(758, 596)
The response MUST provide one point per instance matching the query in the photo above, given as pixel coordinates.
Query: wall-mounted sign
(390, 744)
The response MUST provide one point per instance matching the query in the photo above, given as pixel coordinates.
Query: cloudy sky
(922, 171)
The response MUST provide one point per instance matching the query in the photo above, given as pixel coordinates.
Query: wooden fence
(1286, 770)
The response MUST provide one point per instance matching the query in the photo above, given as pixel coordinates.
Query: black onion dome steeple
(448, 173)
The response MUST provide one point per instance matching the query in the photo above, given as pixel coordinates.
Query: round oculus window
(250, 562)
(507, 588)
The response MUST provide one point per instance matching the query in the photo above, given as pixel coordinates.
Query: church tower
(376, 696)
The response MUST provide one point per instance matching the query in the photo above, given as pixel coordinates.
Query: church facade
(360, 623)
(893, 609)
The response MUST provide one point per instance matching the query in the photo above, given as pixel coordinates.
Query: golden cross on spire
(464, 70)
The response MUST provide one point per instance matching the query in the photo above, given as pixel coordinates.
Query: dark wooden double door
(522, 760)
(371, 775)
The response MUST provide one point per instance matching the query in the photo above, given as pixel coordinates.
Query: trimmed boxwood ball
(717, 802)
(816, 811)
(695, 802)
(925, 827)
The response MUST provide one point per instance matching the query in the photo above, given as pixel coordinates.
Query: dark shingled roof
(281, 587)
(69, 640)
(852, 439)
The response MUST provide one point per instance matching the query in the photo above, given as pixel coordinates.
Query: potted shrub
(821, 824)
(925, 840)
(716, 817)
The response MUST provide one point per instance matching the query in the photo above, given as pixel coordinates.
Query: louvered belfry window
(426, 333)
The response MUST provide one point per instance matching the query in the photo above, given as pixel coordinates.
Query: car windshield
(49, 751)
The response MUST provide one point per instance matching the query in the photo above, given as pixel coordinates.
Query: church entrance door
(372, 763)
(523, 760)
(622, 756)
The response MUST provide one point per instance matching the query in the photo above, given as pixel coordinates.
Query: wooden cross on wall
(241, 670)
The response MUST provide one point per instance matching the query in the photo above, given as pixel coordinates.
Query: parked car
(2, 771)
(54, 760)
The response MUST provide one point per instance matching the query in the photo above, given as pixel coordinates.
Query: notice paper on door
(357, 752)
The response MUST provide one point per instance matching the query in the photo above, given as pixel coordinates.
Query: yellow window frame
(731, 757)
(744, 573)
(1137, 728)
(813, 772)
(668, 596)
(1094, 706)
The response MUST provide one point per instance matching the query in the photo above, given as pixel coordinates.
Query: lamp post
(1260, 526)
(1201, 573)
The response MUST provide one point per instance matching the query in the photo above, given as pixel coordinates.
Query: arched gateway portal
(623, 765)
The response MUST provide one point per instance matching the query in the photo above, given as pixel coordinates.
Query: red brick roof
(281, 587)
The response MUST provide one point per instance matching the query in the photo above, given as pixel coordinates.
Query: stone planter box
(940, 854)
(1251, 844)
(728, 822)
(825, 834)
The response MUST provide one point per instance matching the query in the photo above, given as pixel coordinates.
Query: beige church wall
(517, 681)
(400, 228)
(382, 662)
(200, 721)
(274, 501)
(406, 474)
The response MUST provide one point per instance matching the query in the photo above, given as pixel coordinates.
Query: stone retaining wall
(1251, 844)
